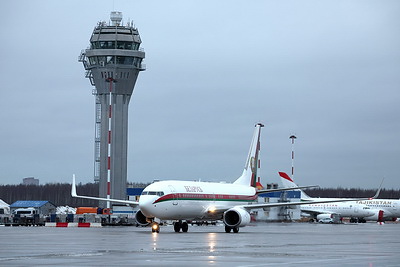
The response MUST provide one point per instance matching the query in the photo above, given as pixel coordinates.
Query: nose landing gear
(155, 227)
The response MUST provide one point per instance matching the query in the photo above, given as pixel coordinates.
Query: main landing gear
(229, 229)
(181, 225)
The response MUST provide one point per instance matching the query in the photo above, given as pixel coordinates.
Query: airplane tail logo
(288, 183)
(249, 175)
(285, 176)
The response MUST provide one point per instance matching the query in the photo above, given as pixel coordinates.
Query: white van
(25, 212)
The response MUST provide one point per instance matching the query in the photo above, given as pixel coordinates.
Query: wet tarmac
(261, 244)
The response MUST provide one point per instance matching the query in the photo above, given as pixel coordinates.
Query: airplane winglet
(73, 188)
(379, 190)
(74, 194)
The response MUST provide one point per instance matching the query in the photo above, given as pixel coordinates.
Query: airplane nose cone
(146, 205)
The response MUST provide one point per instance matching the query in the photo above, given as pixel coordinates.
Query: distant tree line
(60, 194)
(352, 192)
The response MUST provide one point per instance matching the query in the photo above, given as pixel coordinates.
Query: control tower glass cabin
(112, 64)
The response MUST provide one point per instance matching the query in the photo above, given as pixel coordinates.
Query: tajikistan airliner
(361, 211)
(354, 210)
(181, 201)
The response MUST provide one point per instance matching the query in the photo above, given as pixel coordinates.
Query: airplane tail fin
(249, 175)
(288, 183)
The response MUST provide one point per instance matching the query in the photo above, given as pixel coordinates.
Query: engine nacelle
(379, 216)
(141, 219)
(236, 217)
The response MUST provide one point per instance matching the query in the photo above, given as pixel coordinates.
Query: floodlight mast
(293, 137)
(112, 63)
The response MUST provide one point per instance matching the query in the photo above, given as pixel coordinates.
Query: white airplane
(357, 211)
(190, 200)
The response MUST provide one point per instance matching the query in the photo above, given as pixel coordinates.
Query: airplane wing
(315, 213)
(282, 204)
(262, 191)
(73, 194)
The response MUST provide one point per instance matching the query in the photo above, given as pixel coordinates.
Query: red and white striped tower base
(110, 80)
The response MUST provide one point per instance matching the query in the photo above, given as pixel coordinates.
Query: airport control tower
(112, 63)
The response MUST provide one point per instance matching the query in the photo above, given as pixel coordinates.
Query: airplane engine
(378, 216)
(141, 219)
(236, 217)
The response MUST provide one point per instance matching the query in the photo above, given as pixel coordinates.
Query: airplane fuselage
(344, 209)
(185, 200)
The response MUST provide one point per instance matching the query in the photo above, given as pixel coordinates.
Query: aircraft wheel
(236, 229)
(177, 227)
(227, 229)
(185, 227)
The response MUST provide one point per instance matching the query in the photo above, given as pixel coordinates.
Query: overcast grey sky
(326, 71)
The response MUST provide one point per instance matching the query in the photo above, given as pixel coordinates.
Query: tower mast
(112, 63)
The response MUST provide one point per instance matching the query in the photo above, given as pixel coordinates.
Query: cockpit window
(153, 193)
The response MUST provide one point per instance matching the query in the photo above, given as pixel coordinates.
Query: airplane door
(175, 197)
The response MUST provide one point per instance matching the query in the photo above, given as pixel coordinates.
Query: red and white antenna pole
(293, 137)
(110, 80)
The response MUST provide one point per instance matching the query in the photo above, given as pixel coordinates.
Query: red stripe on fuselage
(206, 197)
